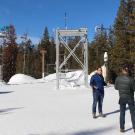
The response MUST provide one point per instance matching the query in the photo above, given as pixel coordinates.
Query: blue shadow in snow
(7, 110)
(5, 92)
(112, 112)
(117, 111)
(94, 132)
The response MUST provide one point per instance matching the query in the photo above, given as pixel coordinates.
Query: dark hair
(98, 67)
(125, 67)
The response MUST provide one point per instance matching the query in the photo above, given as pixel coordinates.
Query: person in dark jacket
(126, 87)
(97, 83)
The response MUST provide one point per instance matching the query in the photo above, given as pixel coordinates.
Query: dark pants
(122, 112)
(97, 98)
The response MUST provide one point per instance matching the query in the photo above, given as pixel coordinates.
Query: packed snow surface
(36, 107)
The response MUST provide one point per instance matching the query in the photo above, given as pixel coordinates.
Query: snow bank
(69, 79)
(21, 79)
(50, 77)
(73, 79)
(68, 76)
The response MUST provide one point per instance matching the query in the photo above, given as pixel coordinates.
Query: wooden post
(43, 62)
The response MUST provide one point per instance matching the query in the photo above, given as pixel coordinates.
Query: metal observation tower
(61, 40)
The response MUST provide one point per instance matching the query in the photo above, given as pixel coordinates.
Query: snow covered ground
(35, 107)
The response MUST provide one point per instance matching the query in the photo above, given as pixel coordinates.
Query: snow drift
(69, 79)
(21, 79)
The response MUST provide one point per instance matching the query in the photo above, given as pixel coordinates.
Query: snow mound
(69, 79)
(50, 77)
(21, 79)
(75, 78)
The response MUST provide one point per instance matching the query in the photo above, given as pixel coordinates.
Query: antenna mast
(65, 20)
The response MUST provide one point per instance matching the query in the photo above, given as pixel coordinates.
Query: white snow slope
(38, 108)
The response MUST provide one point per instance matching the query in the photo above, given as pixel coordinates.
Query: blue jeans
(122, 112)
(97, 98)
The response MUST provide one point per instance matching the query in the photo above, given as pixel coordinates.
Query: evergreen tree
(52, 57)
(20, 59)
(45, 45)
(37, 64)
(45, 40)
(111, 38)
(123, 51)
(92, 57)
(9, 53)
(98, 47)
(131, 30)
(29, 60)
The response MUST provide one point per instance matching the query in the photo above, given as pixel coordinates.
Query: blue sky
(33, 15)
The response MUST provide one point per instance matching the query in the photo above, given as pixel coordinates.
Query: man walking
(97, 83)
(126, 87)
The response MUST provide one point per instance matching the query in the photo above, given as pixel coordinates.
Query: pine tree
(20, 58)
(37, 64)
(118, 53)
(92, 57)
(45, 45)
(124, 38)
(45, 40)
(131, 30)
(111, 38)
(52, 57)
(29, 58)
(9, 54)
(100, 46)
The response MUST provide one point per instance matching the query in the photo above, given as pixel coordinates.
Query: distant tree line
(25, 57)
(118, 41)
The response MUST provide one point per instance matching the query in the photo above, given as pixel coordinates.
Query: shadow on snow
(5, 92)
(8, 110)
(93, 132)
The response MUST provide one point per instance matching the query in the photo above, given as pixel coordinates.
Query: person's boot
(94, 115)
(122, 130)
